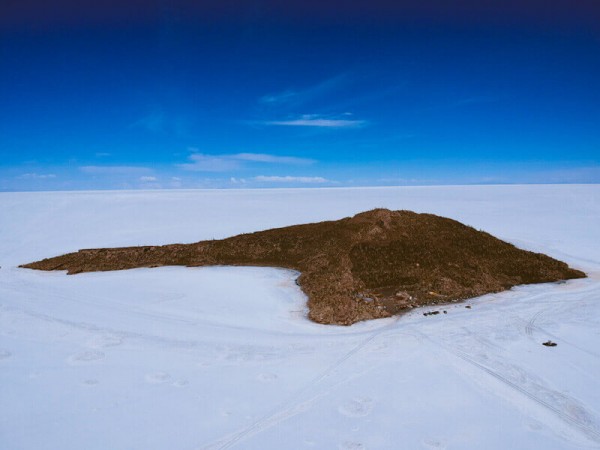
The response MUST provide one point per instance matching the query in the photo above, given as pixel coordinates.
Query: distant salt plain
(223, 357)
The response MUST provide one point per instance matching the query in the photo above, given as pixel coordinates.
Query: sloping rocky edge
(375, 264)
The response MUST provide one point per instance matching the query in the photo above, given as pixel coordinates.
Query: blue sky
(179, 94)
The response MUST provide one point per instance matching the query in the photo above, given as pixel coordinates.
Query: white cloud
(36, 176)
(399, 181)
(147, 178)
(115, 170)
(175, 182)
(201, 162)
(289, 179)
(315, 120)
(265, 158)
(281, 97)
(294, 98)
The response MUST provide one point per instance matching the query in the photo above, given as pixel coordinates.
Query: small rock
(403, 295)
(445, 312)
(550, 344)
(468, 306)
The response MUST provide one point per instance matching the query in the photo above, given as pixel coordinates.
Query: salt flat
(223, 357)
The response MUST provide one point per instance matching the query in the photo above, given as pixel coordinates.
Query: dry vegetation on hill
(375, 264)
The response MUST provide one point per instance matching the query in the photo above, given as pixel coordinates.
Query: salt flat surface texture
(192, 358)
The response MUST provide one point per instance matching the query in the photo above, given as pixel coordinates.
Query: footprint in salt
(534, 425)
(105, 340)
(351, 445)
(86, 357)
(267, 377)
(357, 407)
(158, 377)
(433, 443)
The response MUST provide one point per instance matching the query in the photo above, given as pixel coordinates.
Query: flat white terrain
(221, 357)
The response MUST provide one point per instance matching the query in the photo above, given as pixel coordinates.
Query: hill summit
(375, 264)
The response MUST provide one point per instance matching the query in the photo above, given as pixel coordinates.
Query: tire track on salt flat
(298, 402)
(582, 421)
(585, 426)
(105, 303)
(530, 326)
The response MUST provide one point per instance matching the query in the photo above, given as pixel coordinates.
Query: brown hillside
(375, 264)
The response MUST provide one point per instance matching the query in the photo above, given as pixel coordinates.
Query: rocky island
(375, 264)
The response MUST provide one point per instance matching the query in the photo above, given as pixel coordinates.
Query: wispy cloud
(201, 162)
(240, 181)
(297, 97)
(399, 181)
(147, 179)
(266, 158)
(36, 176)
(281, 97)
(115, 170)
(316, 120)
(291, 100)
(290, 179)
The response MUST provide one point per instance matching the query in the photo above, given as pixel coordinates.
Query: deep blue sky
(145, 94)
